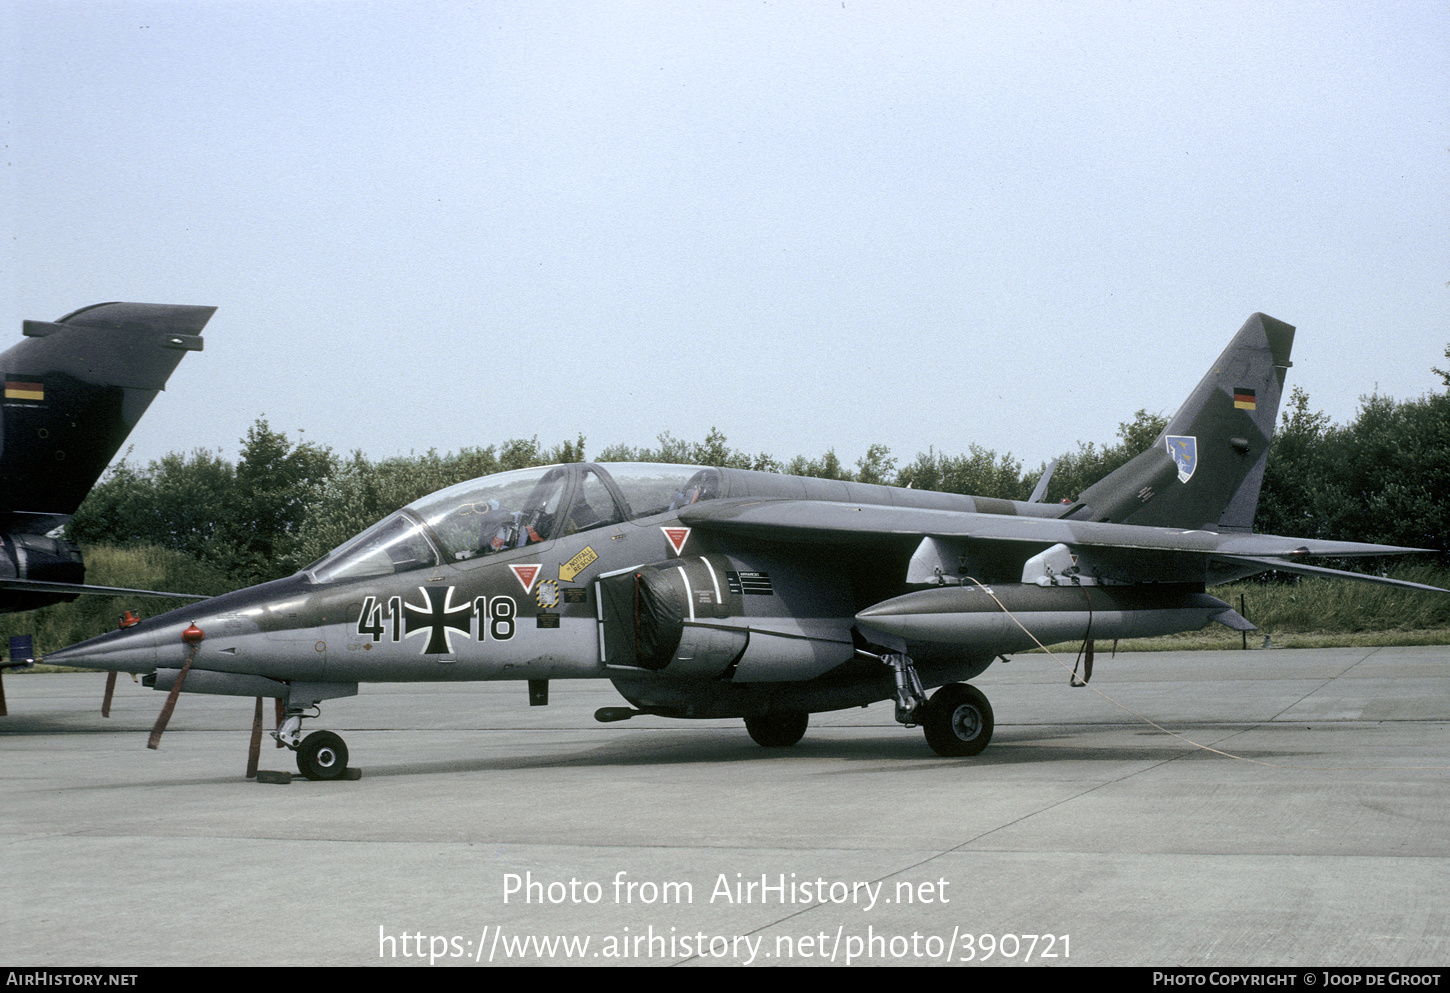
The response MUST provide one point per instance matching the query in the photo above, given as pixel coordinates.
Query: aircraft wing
(824, 522)
(44, 586)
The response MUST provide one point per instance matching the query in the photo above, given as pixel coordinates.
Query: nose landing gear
(321, 755)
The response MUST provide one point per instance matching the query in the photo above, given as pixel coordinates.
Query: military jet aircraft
(713, 592)
(74, 389)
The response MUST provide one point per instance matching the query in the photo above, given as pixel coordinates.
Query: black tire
(322, 755)
(777, 730)
(958, 720)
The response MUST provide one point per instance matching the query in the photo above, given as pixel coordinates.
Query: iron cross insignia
(437, 618)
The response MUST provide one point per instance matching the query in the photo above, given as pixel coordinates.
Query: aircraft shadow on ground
(720, 747)
(848, 751)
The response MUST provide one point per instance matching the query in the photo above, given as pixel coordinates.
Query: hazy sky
(811, 224)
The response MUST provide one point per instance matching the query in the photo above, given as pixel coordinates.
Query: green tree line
(283, 503)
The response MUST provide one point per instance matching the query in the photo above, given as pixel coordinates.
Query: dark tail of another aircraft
(1205, 469)
(72, 392)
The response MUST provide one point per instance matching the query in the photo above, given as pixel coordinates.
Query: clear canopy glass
(493, 514)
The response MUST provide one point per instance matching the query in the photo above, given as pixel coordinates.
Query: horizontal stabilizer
(1303, 568)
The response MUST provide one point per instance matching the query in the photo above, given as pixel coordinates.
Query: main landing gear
(777, 730)
(320, 755)
(957, 720)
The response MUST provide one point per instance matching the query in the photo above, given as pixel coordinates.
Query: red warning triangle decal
(526, 574)
(676, 537)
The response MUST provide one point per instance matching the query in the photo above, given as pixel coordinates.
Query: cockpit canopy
(494, 514)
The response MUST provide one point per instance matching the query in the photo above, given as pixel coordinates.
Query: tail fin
(1205, 469)
(73, 390)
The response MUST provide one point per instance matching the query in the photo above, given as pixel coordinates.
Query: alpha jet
(705, 592)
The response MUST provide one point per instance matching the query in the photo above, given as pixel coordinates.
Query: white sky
(813, 224)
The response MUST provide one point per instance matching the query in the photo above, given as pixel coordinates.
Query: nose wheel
(322, 755)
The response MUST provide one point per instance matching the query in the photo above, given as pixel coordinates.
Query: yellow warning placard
(578, 564)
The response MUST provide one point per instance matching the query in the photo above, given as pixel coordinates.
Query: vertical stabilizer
(1205, 469)
(74, 389)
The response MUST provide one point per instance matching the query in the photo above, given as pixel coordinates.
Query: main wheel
(322, 755)
(958, 720)
(777, 730)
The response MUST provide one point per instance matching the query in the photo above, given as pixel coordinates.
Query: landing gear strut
(910, 697)
(958, 720)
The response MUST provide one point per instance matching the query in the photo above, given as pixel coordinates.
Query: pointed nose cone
(128, 650)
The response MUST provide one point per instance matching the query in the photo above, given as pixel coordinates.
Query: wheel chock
(350, 774)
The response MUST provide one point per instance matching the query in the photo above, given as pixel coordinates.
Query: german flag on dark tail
(1243, 398)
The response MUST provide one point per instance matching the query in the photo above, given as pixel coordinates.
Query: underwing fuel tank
(1023, 615)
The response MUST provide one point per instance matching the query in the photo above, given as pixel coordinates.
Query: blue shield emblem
(1184, 449)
